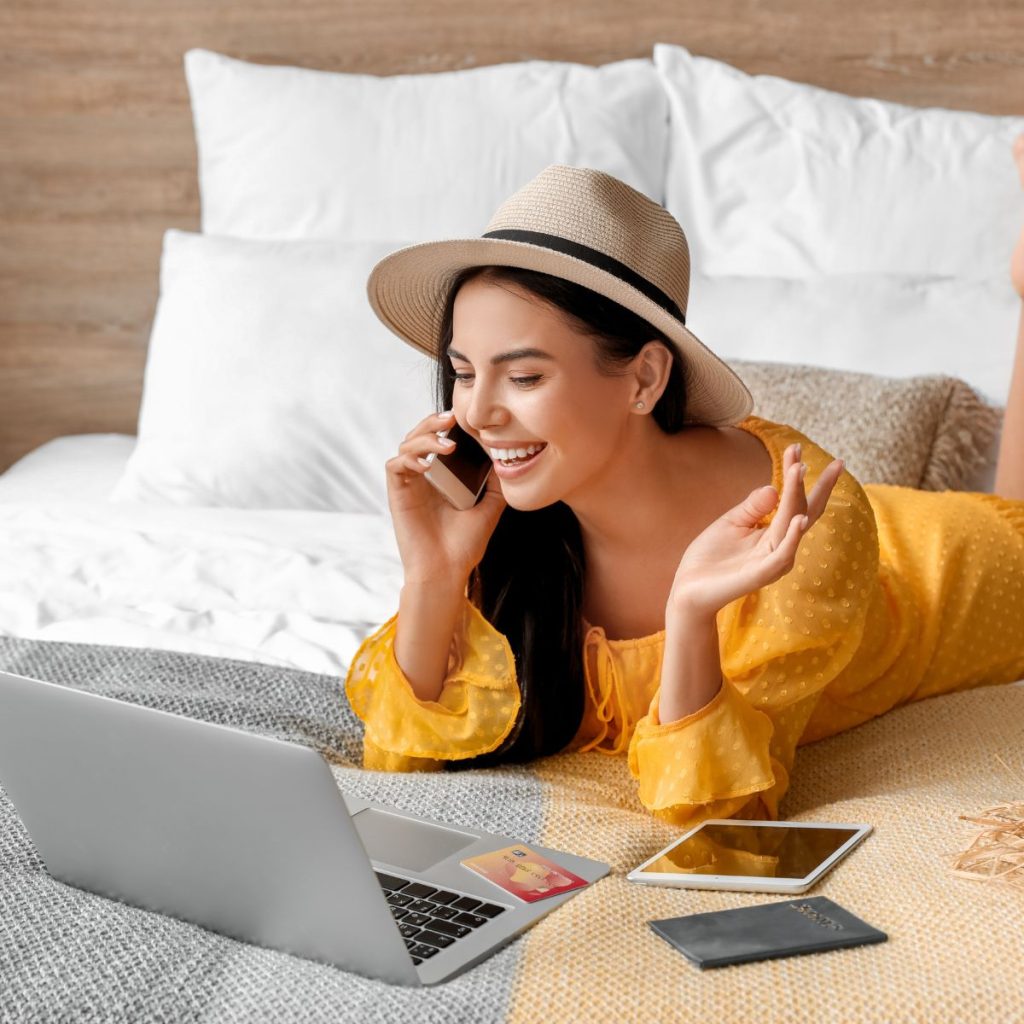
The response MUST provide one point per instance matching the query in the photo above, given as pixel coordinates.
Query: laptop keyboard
(431, 919)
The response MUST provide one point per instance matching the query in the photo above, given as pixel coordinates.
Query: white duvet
(290, 588)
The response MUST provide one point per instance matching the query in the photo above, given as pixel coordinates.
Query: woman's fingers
(793, 501)
(753, 508)
(424, 437)
(823, 489)
(419, 443)
(780, 560)
(784, 556)
(435, 422)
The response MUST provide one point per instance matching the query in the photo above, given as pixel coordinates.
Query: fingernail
(446, 440)
(447, 414)
(803, 470)
(797, 450)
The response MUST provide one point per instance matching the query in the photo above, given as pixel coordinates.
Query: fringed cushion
(931, 432)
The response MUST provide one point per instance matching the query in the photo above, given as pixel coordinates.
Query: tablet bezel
(751, 883)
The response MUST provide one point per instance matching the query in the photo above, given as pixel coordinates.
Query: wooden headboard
(98, 156)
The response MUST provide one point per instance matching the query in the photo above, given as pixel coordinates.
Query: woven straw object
(997, 853)
(609, 232)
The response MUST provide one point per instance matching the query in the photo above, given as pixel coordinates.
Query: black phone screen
(469, 462)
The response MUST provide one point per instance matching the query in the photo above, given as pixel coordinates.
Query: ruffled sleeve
(707, 763)
(780, 647)
(474, 712)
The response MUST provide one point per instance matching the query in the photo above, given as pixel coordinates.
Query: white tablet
(753, 856)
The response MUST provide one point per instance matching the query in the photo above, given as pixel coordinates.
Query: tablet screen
(764, 851)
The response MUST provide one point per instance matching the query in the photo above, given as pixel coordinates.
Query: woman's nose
(483, 409)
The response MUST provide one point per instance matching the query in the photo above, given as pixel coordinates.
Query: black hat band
(596, 259)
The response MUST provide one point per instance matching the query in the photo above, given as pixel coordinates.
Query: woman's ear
(652, 365)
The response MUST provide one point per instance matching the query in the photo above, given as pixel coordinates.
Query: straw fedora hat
(584, 226)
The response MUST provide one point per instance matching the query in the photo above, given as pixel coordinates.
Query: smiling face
(558, 398)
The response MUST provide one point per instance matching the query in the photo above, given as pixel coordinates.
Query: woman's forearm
(427, 614)
(1010, 466)
(691, 668)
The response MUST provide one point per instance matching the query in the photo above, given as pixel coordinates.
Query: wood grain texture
(97, 156)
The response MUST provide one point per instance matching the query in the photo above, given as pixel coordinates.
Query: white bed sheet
(290, 588)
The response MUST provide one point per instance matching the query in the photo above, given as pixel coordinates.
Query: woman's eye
(521, 381)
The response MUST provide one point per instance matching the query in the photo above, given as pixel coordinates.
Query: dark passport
(765, 931)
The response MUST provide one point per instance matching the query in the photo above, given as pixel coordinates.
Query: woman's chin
(524, 502)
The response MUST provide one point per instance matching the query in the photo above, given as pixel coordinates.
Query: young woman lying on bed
(657, 580)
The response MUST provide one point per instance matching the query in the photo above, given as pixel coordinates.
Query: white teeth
(514, 453)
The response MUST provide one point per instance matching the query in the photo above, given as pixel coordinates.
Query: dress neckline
(754, 425)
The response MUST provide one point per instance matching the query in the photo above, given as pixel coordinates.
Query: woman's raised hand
(734, 556)
(436, 541)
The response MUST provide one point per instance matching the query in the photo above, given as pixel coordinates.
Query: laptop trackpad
(405, 842)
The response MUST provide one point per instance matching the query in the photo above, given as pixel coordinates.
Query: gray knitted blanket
(954, 951)
(69, 955)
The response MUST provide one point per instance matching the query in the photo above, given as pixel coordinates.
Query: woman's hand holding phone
(435, 539)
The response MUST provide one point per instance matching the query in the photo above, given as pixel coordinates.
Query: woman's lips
(512, 472)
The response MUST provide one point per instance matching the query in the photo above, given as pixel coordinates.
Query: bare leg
(1009, 480)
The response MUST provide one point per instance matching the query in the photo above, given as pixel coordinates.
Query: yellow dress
(896, 594)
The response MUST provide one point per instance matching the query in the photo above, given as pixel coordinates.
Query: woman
(663, 573)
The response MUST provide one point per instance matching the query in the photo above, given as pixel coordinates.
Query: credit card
(524, 873)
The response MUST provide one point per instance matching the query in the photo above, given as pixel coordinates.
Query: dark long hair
(529, 584)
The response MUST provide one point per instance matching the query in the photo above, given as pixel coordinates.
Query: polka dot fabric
(896, 594)
(475, 711)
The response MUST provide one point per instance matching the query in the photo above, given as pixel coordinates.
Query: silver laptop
(250, 836)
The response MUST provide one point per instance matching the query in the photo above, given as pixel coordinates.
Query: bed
(211, 536)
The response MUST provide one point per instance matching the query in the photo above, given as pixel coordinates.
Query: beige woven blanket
(956, 946)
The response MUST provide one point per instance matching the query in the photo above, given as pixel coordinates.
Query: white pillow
(886, 324)
(76, 467)
(894, 325)
(774, 177)
(287, 152)
(269, 381)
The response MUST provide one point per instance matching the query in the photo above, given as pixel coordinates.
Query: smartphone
(460, 475)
